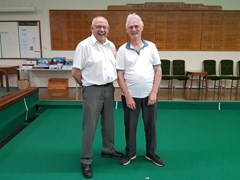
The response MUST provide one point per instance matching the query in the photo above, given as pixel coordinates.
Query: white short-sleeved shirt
(96, 61)
(138, 67)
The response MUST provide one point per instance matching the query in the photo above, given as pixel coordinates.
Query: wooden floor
(163, 94)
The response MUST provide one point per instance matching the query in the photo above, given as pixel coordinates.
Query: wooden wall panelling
(161, 30)
(74, 26)
(58, 28)
(117, 33)
(212, 29)
(221, 30)
(78, 27)
(170, 30)
(232, 29)
(184, 30)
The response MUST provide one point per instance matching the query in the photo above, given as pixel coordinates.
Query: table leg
(191, 81)
(206, 82)
(7, 83)
(18, 75)
(199, 81)
(1, 79)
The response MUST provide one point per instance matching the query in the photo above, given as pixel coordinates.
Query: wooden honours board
(190, 28)
(221, 31)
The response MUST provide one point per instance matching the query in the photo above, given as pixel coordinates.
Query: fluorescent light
(18, 9)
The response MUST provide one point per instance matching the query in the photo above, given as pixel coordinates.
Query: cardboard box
(57, 83)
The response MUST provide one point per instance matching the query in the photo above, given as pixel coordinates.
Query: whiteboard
(20, 39)
(9, 40)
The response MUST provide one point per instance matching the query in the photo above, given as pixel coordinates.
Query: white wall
(193, 58)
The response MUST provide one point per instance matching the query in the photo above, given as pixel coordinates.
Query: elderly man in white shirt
(139, 76)
(94, 69)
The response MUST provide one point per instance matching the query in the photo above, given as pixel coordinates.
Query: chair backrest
(166, 66)
(226, 67)
(178, 67)
(209, 66)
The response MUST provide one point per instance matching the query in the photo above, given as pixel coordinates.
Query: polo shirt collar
(145, 44)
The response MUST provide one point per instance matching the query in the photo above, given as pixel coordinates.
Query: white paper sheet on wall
(29, 40)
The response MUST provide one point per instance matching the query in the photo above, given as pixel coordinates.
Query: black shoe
(126, 159)
(112, 155)
(155, 159)
(87, 171)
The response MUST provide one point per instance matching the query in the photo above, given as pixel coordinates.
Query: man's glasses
(100, 27)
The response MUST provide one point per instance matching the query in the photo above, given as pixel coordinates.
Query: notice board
(20, 39)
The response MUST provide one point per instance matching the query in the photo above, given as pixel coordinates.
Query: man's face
(134, 29)
(100, 29)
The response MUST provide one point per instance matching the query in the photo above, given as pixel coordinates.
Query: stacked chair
(227, 74)
(238, 76)
(179, 72)
(173, 71)
(166, 71)
(209, 66)
(166, 74)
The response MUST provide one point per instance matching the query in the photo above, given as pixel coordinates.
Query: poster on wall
(9, 46)
(29, 40)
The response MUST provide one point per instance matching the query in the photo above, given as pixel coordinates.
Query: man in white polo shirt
(94, 67)
(139, 76)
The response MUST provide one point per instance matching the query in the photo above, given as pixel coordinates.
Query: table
(5, 70)
(50, 146)
(202, 76)
(46, 71)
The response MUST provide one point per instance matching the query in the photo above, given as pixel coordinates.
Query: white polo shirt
(96, 61)
(138, 67)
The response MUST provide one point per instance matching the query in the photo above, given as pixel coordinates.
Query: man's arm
(77, 75)
(156, 83)
(129, 100)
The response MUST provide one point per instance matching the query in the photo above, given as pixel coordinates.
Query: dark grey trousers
(98, 103)
(149, 115)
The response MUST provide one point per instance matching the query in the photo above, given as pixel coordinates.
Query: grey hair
(134, 16)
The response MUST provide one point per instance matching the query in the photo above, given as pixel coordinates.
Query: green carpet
(195, 144)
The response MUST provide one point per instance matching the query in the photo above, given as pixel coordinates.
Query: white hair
(99, 18)
(134, 16)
